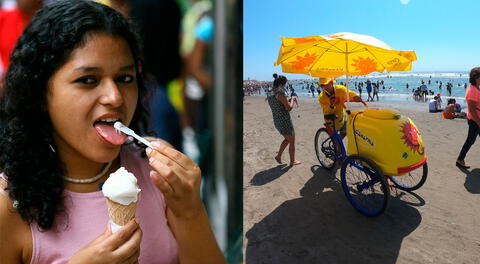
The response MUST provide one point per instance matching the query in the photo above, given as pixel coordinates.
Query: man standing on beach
(332, 99)
(424, 89)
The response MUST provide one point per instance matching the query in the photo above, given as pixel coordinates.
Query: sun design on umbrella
(365, 65)
(410, 137)
(303, 62)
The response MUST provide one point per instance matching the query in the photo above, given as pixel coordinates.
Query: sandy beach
(300, 215)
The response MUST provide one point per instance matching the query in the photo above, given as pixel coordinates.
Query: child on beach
(293, 96)
(453, 110)
(75, 71)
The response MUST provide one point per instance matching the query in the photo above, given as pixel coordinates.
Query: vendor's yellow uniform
(340, 93)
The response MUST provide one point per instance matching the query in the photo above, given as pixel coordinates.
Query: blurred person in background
(158, 22)
(197, 37)
(13, 19)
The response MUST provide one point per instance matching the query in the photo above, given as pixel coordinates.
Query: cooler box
(389, 139)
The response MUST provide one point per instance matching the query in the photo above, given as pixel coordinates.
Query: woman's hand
(122, 247)
(178, 178)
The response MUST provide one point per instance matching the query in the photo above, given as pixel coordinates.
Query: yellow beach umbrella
(341, 54)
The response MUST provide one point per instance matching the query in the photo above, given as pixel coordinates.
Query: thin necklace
(90, 180)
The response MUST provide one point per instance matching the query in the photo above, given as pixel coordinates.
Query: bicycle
(363, 180)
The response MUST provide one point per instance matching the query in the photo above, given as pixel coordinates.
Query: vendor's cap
(324, 81)
(438, 95)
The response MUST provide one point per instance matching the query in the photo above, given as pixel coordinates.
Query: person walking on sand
(369, 90)
(375, 91)
(360, 89)
(281, 107)
(472, 96)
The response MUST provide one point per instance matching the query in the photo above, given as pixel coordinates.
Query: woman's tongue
(108, 132)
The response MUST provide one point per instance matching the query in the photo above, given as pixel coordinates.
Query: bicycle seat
(331, 117)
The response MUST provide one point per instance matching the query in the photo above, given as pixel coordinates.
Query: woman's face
(477, 81)
(96, 86)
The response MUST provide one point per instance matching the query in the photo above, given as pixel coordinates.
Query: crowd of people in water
(370, 89)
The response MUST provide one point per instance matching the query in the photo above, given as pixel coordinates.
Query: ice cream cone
(121, 193)
(120, 214)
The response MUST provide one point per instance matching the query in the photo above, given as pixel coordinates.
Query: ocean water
(394, 88)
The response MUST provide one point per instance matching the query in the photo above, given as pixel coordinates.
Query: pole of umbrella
(346, 76)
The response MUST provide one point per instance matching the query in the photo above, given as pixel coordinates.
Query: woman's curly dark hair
(35, 172)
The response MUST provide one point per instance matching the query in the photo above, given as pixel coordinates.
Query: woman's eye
(86, 80)
(127, 78)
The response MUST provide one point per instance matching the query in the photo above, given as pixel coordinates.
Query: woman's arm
(281, 97)
(178, 178)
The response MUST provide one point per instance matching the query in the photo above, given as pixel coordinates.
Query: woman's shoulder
(14, 231)
(7, 207)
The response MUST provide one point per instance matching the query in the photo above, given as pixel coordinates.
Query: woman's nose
(111, 94)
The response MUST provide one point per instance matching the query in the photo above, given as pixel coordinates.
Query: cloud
(404, 2)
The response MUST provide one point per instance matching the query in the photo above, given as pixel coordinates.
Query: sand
(300, 215)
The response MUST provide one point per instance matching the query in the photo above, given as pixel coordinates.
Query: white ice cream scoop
(121, 187)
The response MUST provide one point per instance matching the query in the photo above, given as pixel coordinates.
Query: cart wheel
(412, 180)
(364, 185)
(325, 148)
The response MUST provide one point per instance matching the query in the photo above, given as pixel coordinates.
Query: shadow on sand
(322, 227)
(269, 175)
(472, 182)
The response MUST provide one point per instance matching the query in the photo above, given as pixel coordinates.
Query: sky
(444, 34)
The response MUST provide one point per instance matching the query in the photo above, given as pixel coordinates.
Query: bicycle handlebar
(348, 110)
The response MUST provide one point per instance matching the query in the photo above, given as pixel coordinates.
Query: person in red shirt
(472, 96)
(12, 23)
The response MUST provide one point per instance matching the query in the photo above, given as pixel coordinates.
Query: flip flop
(462, 166)
(295, 163)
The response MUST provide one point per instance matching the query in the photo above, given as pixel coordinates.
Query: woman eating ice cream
(73, 73)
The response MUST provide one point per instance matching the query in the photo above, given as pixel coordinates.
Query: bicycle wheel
(412, 180)
(364, 185)
(325, 148)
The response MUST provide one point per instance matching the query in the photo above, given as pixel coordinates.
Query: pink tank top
(87, 217)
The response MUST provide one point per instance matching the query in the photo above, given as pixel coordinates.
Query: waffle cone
(120, 214)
